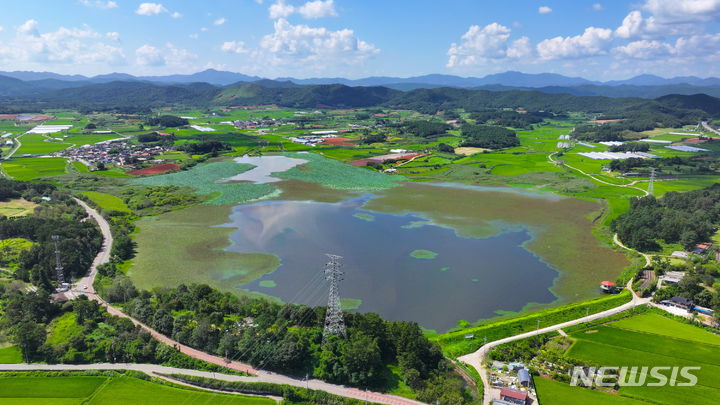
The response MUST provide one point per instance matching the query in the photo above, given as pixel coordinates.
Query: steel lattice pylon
(59, 273)
(651, 186)
(334, 323)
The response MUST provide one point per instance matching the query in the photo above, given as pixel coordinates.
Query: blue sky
(603, 39)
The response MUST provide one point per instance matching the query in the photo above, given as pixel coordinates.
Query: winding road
(709, 128)
(84, 287)
(477, 358)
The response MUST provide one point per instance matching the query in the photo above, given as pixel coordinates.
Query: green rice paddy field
(108, 391)
(648, 340)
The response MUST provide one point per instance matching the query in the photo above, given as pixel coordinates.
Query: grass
(455, 344)
(660, 325)
(338, 175)
(653, 340)
(423, 254)
(31, 168)
(63, 329)
(11, 355)
(139, 392)
(108, 391)
(16, 208)
(37, 144)
(204, 179)
(556, 393)
(107, 202)
(187, 246)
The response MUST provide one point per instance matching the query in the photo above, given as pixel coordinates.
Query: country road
(262, 376)
(550, 158)
(477, 358)
(709, 128)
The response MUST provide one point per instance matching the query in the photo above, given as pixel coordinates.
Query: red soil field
(338, 141)
(157, 169)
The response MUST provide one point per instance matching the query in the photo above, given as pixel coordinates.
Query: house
(607, 286)
(700, 248)
(680, 254)
(513, 396)
(679, 302)
(524, 377)
(501, 402)
(672, 277)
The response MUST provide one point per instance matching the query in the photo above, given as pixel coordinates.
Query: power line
(334, 323)
(651, 186)
(59, 271)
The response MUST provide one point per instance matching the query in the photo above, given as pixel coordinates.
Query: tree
(29, 336)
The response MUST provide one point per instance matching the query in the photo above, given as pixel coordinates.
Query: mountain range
(510, 78)
(23, 83)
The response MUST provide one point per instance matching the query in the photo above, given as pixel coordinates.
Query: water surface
(400, 266)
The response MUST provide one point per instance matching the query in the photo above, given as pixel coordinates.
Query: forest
(685, 218)
(59, 215)
(486, 136)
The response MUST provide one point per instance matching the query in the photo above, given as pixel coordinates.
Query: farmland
(107, 202)
(16, 208)
(107, 390)
(644, 340)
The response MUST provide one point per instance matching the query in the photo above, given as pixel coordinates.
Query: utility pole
(651, 186)
(59, 273)
(334, 324)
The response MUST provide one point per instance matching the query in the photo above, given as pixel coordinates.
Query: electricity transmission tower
(59, 273)
(651, 186)
(334, 324)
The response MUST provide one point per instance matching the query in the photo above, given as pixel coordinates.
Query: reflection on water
(264, 167)
(385, 262)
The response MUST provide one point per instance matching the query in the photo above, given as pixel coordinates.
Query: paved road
(262, 376)
(477, 358)
(550, 157)
(709, 128)
(648, 258)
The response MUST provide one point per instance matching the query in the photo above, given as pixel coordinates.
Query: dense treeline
(288, 337)
(167, 121)
(79, 240)
(689, 164)
(512, 119)
(155, 137)
(630, 147)
(10, 189)
(80, 331)
(486, 136)
(203, 147)
(425, 129)
(686, 218)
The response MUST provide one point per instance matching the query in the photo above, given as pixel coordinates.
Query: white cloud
(683, 11)
(594, 41)
(634, 25)
(2, 28)
(169, 55)
(318, 9)
(234, 47)
(544, 10)
(598, 7)
(220, 21)
(280, 10)
(204, 29)
(64, 46)
(99, 3)
(151, 9)
(149, 55)
(318, 47)
(193, 36)
(176, 15)
(309, 10)
(644, 49)
(113, 36)
(480, 45)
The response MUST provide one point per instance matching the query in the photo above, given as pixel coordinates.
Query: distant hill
(703, 102)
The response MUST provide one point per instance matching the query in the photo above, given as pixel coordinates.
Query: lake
(401, 266)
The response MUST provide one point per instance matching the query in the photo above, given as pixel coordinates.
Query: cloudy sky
(605, 39)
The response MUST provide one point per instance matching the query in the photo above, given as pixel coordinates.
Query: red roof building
(516, 397)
